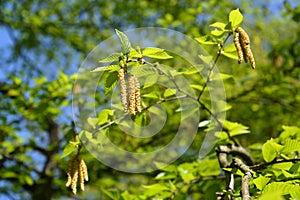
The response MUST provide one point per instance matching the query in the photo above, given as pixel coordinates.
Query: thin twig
(264, 165)
(212, 67)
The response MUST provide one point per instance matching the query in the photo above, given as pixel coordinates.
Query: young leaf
(104, 116)
(235, 128)
(69, 148)
(157, 53)
(217, 32)
(124, 42)
(93, 122)
(219, 25)
(282, 187)
(270, 150)
(236, 18)
(205, 40)
(169, 92)
(232, 55)
(107, 68)
(111, 58)
(290, 146)
(261, 182)
(110, 81)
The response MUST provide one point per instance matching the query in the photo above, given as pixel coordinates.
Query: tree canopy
(50, 65)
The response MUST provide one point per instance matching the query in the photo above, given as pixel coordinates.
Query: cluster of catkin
(242, 44)
(130, 92)
(77, 171)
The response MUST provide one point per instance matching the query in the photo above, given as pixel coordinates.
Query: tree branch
(264, 165)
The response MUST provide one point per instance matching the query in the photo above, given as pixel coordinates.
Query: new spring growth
(242, 44)
(77, 171)
(130, 96)
(123, 87)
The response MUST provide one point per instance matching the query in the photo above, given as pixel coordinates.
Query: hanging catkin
(137, 95)
(77, 170)
(245, 44)
(122, 82)
(132, 98)
(238, 47)
(83, 174)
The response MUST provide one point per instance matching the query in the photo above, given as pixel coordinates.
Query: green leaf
(295, 194)
(209, 167)
(232, 55)
(107, 68)
(219, 25)
(111, 194)
(235, 128)
(281, 187)
(126, 46)
(157, 186)
(152, 95)
(270, 150)
(93, 122)
(157, 53)
(110, 81)
(104, 116)
(111, 58)
(69, 148)
(205, 40)
(9, 174)
(163, 167)
(230, 48)
(261, 182)
(236, 18)
(207, 59)
(291, 146)
(217, 32)
(187, 177)
(135, 53)
(28, 180)
(289, 132)
(169, 92)
(127, 196)
(153, 190)
(272, 195)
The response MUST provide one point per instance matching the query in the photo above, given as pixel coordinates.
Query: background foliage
(42, 45)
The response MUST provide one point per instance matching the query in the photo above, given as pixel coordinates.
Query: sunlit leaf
(157, 53)
(261, 182)
(235, 17)
(125, 43)
(205, 40)
(111, 58)
(69, 148)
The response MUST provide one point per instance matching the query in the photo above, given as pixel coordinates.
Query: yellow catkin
(83, 174)
(77, 171)
(137, 95)
(70, 166)
(245, 43)
(81, 178)
(74, 174)
(238, 47)
(123, 88)
(85, 170)
(132, 103)
(251, 58)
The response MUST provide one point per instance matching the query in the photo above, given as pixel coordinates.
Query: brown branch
(264, 165)
(246, 178)
(245, 186)
(236, 151)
